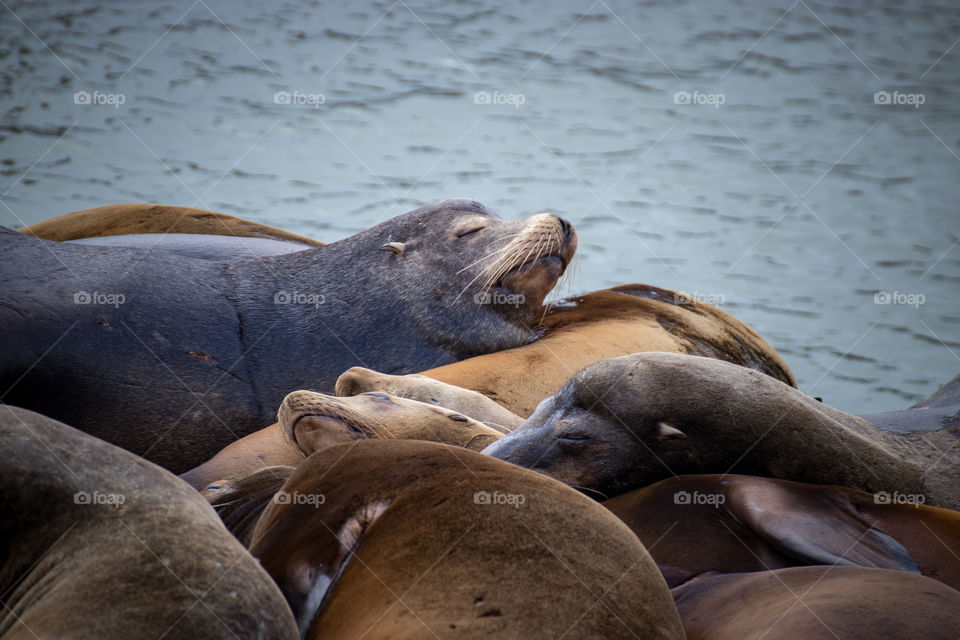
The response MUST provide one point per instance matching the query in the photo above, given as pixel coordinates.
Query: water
(783, 192)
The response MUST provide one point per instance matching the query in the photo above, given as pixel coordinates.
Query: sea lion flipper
(815, 529)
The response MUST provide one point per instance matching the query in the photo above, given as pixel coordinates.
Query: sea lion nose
(567, 228)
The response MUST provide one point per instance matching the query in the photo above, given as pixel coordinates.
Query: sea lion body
(584, 329)
(96, 542)
(207, 247)
(412, 539)
(627, 422)
(813, 603)
(148, 218)
(734, 523)
(203, 351)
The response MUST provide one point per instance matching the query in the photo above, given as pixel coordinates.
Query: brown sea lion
(595, 326)
(141, 218)
(818, 603)
(411, 539)
(733, 523)
(414, 386)
(310, 421)
(219, 344)
(98, 543)
(625, 423)
(239, 501)
(314, 421)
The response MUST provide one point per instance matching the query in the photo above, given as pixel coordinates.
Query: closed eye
(456, 417)
(575, 437)
(468, 232)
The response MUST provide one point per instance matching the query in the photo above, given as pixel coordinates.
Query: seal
(313, 421)
(852, 603)
(627, 422)
(203, 351)
(357, 380)
(603, 324)
(734, 523)
(411, 539)
(148, 218)
(310, 421)
(100, 543)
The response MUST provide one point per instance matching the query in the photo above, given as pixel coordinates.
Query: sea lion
(411, 539)
(206, 247)
(310, 421)
(627, 422)
(314, 421)
(240, 501)
(828, 603)
(143, 218)
(939, 411)
(595, 326)
(202, 351)
(357, 380)
(734, 523)
(96, 542)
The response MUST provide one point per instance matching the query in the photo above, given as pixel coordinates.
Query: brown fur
(763, 523)
(851, 603)
(604, 324)
(156, 564)
(414, 553)
(135, 218)
(615, 426)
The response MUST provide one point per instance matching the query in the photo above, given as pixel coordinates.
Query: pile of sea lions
(394, 436)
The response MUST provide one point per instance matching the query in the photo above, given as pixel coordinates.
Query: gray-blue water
(735, 151)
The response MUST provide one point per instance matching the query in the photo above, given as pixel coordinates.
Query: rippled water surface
(781, 189)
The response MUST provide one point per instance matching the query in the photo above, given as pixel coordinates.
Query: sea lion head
(609, 428)
(461, 273)
(314, 421)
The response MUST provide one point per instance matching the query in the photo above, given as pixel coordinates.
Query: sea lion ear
(397, 248)
(666, 430)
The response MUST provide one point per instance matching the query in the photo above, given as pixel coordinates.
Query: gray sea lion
(410, 539)
(818, 603)
(587, 328)
(627, 422)
(203, 351)
(734, 523)
(143, 218)
(98, 543)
